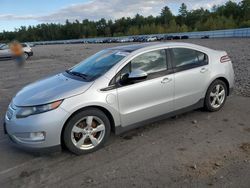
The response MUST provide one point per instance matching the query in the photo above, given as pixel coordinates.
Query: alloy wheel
(217, 96)
(88, 132)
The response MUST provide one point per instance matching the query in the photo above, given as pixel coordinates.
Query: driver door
(148, 98)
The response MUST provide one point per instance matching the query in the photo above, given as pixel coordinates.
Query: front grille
(10, 111)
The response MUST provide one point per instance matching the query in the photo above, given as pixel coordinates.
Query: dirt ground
(196, 149)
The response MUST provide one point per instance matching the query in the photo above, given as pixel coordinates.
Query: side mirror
(137, 75)
(134, 76)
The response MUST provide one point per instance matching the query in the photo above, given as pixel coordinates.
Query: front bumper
(49, 123)
(30, 53)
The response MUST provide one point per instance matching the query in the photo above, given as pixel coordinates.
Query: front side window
(150, 62)
(154, 63)
(98, 64)
(183, 57)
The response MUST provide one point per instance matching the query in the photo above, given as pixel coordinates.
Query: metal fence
(243, 32)
(228, 33)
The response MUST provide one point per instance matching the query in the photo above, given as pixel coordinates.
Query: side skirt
(119, 129)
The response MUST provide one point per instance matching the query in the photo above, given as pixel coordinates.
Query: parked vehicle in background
(184, 37)
(118, 89)
(126, 39)
(5, 52)
(151, 39)
(176, 37)
(27, 50)
(205, 37)
(169, 37)
(30, 44)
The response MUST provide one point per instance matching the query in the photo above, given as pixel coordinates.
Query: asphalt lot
(196, 149)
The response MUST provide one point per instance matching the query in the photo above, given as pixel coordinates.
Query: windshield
(98, 64)
(4, 47)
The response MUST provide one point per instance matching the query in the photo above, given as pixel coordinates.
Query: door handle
(203, 70)
(166, 80)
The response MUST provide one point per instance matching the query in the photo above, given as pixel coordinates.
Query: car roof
(151, 45)
(134, 47)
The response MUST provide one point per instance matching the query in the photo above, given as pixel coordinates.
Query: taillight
(225, 59)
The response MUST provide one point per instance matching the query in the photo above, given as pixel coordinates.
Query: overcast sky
(16, 13)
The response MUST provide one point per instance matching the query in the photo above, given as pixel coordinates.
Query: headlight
(31, 110)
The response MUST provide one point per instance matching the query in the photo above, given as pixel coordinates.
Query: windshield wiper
(84, 76)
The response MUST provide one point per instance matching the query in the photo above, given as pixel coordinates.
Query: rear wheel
(216, 96)
(86, 131)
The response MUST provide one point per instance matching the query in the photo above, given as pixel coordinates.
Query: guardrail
(228, 33)
(243, 32)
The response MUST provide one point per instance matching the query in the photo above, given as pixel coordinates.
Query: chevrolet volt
(118, 89)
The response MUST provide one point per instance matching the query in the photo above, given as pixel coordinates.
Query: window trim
(114, 85)
(185, 67)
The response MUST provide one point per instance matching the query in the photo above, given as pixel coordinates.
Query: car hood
(49, 90)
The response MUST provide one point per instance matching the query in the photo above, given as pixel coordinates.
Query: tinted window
(150, 62)
(24, 45)
(183, 57)
(99, 63)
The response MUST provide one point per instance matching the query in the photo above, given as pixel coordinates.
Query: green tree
(166, 15)
(245, 10)
(183, 10)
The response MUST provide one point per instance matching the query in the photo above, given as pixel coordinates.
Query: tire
(26, 56)
(86, 139)
(216, 96)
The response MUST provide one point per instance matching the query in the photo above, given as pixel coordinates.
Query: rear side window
(188, 58)
(203, 58)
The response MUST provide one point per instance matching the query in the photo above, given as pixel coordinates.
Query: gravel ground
(196, 149)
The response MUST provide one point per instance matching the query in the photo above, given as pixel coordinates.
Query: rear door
(150, 97)
(192, 72)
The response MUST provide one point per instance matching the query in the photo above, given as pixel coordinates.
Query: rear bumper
(230, 91)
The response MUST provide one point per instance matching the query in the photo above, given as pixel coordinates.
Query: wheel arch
(104, 110)
(226, 82)
(222, 78)
(28, 56)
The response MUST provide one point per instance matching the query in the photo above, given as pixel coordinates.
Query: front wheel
(216, 96)
(86, 131)
(26, 56)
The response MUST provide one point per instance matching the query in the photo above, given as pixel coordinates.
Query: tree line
(228, 16)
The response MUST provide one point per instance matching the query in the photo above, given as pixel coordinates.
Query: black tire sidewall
(69, 125)
(26, 55)
(207, 98)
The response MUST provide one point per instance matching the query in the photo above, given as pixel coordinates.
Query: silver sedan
(116, 90)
